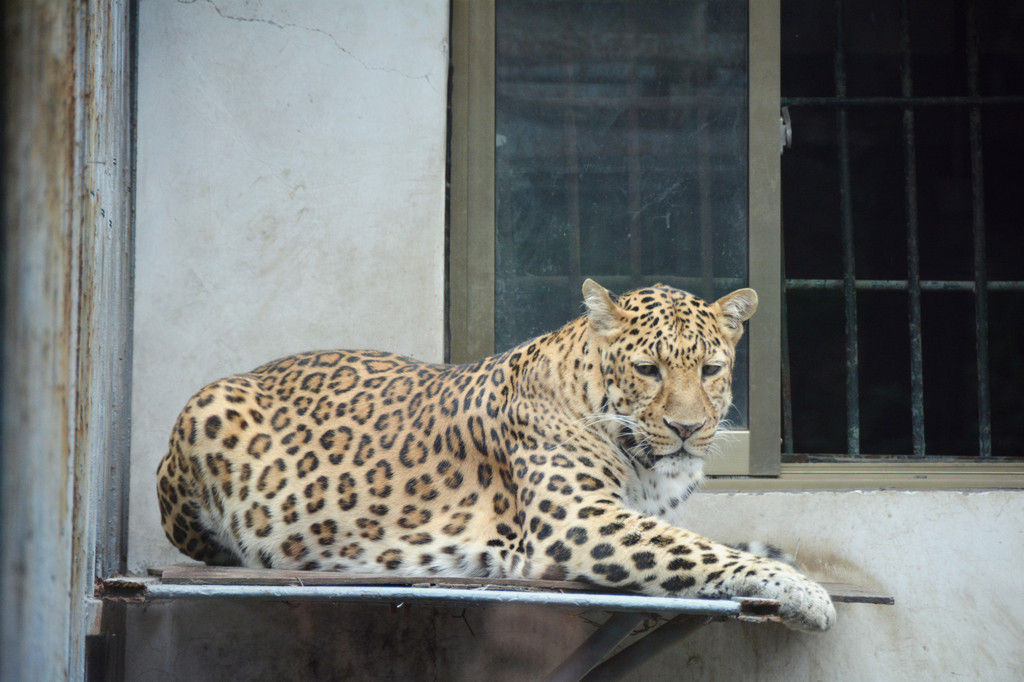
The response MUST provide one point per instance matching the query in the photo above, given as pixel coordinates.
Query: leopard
(567, 457)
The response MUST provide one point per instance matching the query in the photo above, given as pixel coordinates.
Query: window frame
(750, 460)
(471, 207)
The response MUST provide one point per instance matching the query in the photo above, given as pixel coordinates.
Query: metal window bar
(849, 269)
(914, 285)
(901, 285)
(913, 254)
(978, 225)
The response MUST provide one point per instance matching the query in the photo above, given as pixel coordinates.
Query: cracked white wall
(291, 161)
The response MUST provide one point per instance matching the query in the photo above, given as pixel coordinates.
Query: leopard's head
(666, 364)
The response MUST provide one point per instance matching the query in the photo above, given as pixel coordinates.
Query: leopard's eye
(647, 369)
(708, 371)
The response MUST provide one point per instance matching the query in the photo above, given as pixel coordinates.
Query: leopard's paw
(803, 604)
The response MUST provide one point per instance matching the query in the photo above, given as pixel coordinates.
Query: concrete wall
(948, 558)
(290, 196)
(291, 161)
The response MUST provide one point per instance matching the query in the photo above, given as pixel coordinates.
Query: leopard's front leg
(598, 541)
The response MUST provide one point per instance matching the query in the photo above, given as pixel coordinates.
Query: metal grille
(849, 285)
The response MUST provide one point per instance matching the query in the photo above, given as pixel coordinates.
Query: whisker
(591, 424)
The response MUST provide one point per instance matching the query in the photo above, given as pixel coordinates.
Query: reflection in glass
(621, 154)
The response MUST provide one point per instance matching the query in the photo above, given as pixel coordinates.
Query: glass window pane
(621, 154)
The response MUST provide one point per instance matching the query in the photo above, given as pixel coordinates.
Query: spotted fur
(567, 457)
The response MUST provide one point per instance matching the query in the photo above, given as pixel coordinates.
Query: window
(642, 159)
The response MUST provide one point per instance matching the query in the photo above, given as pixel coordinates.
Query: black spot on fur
(576, 535)
(559, 552)
(677, 583)
(610, 529)
(212, 427)
(613, 573)
(643, 560)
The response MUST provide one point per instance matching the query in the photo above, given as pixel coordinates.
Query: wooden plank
(195, 574)
(191, 574)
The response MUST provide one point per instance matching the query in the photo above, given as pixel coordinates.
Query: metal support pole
(669, 634)
(596, 647)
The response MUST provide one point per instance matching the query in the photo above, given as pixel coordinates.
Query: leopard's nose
(684, 430)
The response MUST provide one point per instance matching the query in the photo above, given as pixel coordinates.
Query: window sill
(880, 476)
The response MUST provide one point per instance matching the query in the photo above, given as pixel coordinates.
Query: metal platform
(591, 661)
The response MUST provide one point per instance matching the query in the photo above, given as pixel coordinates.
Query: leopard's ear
(606, 317)
(736, 308)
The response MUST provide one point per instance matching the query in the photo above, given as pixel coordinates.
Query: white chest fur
(662, 490)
